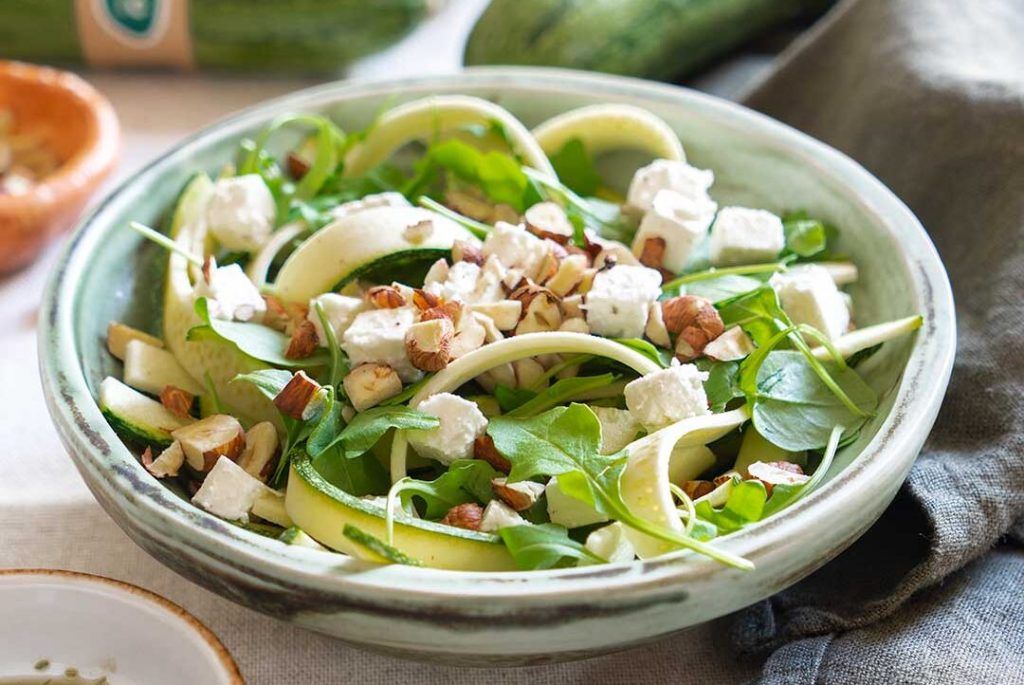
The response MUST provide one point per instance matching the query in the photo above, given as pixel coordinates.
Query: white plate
(104, 627)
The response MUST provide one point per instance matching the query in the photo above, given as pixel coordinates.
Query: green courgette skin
(659, 39)
(314, 36)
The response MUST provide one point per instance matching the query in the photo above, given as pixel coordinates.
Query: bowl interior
(751, 169)
(103, 628)
(109, 274)
(43, 106)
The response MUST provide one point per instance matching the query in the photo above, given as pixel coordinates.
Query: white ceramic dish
(103, 627)
(515, 617)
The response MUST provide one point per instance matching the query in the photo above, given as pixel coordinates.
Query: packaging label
(145, 33)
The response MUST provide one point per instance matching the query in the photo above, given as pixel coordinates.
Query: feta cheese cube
(378, 336)
(619, 299)
(339, 310)
(498, 515)
(389, 199)
(461, 424)
(618, 428)
(610, 543)
(230, 294)
(745, 236)
(228, 491)
(664, 397)
(516, 248)
(681, 221)
(568, 511)
(809, 296)
(241, 212)
(666, 174)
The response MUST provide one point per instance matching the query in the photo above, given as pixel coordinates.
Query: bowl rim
(128, 593)
(93, 159)
(919, 391)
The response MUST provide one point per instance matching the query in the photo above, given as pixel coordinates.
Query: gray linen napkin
(929, 96)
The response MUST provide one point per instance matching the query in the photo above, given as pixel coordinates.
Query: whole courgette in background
(244, 35)
(661, 39)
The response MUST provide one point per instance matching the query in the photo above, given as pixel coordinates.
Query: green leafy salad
(447, 341)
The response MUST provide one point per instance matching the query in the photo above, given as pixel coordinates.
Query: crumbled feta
(228, 491)
(230, 294)
(460, 283)
(681, 221)
(667, 396)
(619, 299)
(378, 336)
(339, 310)
(241, 212)
(470, 283)
(745, 236)
(611, 543)
(516, 248)
(498, 515)
(461, 424)
(618, 428)
(390, 199)
(809, 296)
(568, 511)
(665, 174)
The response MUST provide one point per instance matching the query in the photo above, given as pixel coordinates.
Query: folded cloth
(929, 96)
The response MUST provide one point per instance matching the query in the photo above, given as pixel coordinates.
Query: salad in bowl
(450, 341)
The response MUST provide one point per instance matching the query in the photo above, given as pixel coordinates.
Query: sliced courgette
(603, 128)
(297, 537)
(435, 117)
(645, 480)
(322, 510)
(216, 359)
(360, 244)
(151, 369)
(135, 417)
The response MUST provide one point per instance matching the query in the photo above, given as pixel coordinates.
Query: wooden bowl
(80, 127)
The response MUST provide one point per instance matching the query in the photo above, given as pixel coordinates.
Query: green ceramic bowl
(108, 273)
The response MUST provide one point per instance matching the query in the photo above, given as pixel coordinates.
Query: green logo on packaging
(137, 17)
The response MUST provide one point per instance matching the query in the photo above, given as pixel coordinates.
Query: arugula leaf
(544, 546)
(362, 475)
(512, 398)
(497, 174)
(689, 280)
(745, 504)
(270, 382)
(656, 354)
(722, 288)
(804, 237)
(466, 480)
(561, 391)
(722, 385)
(367, 427)
(327, 427)
(566, 442)
(378, 546)
(252, 339)
(756, 312)
(795, 410)
(575, 168)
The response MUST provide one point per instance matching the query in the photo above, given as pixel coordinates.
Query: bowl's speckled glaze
(106, 273)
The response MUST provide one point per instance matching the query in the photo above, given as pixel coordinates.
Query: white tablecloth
(49, 519)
